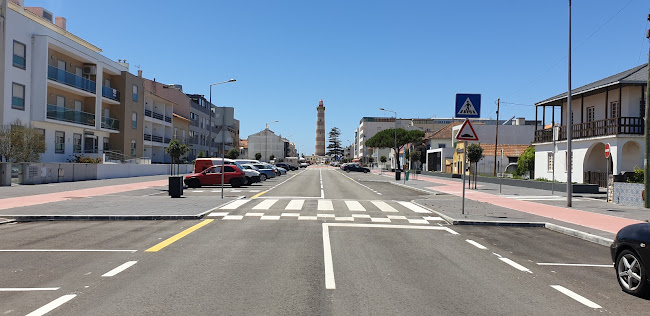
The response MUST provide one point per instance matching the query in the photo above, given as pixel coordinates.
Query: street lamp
(266, 138)
(223, 122)
(396, 153)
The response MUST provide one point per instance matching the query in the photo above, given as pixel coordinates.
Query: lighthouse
(320, 130)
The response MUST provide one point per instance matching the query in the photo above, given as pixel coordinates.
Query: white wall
(508, 134)
(110, 171)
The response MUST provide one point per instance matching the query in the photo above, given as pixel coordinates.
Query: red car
(212, 176)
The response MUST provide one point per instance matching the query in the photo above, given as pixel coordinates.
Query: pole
(496, 138)
(646, 173)
(223, 147)
(396, 151)
(501, 177)
(463, 171)
(210, 127)
(499, 167)
(569, 126)
(553, 166)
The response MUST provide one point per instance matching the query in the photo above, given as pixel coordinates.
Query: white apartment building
(57, 82)
(158, 128)
(266, 143)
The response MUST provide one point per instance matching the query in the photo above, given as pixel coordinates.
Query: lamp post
(223, 122)
(266, 139)
(396, 153)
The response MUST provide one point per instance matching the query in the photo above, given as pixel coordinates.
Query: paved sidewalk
(589, 218)
(140, 198)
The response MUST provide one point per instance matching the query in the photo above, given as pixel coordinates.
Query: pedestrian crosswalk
(375, 211)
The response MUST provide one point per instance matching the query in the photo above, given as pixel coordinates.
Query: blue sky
(358, 56)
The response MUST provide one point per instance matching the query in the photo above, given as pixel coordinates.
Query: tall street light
(223, 140)
(266, 139)
(396, 153)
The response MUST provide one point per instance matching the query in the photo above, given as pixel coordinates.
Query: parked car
(249, 167)
(282, 170)
(304, 165)
(631, 258)
(269, 172)
(212, 176)
(286, 166)
(355, 167)
(251, 176)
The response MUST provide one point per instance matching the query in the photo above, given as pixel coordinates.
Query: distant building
(267, 144)
(207, 131)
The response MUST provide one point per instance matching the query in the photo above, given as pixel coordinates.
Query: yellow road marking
(178, 236)
(258, 194)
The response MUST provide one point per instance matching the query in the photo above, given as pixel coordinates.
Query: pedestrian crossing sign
(468, 105)
(467, 132)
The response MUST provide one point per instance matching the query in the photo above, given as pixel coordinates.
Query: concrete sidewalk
(140, 198)
(589, 218)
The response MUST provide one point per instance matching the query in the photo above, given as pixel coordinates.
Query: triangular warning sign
(467, 132)
(467, 108)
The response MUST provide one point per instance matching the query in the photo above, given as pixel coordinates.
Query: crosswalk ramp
(325, 205)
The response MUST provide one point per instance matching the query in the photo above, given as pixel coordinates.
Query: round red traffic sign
(607, 150)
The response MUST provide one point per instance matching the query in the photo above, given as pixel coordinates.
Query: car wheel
(630, 273)
(246, 181)
(262, 177)
(194, 183)
(365, 171)
(348, 170)
(235, 183)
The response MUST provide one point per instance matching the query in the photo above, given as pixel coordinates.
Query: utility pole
(569, 127)
(496, 139)
(646, 172)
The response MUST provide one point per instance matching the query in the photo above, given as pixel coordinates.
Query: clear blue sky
(408, 56)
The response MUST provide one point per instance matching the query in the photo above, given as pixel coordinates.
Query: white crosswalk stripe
(295, 205)
(384, 207)
(413, 207)
(325, 205)
(234, 204)
(355, 206)
(265, 205)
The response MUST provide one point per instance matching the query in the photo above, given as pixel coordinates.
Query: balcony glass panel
(111, 93)
(69, 115)
(110, 123)
(70, 79)
(147, 113)
(19, 61)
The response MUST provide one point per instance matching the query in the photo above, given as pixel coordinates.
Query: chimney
(520, 121)
(139, 73)
(60, 22)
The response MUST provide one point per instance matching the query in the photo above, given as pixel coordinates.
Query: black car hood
(639, 232)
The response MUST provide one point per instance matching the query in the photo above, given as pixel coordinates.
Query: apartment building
(58, 82)
(268, 144)
(213, 130)
(128, 143)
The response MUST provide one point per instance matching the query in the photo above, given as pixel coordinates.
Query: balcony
(153, 138)
(110, 123)
(147, 113)
(70, 79)
(111, 93)
(168, 119)
(69, 115)
(612, 126)
(158, 116)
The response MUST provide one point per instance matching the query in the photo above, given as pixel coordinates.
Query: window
(134, 120)
(106, 145)
(76, 143)
(135, 93)
(615, 109)
(18, 97)
(59, 142)
(551, 162)
(590, 114)
(442, 145)
(19, 55)
(133, 148)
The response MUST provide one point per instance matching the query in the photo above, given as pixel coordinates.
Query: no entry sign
(607, 151)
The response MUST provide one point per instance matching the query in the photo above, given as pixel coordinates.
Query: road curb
(430, 192)
(35, 218)
(6, 221)
(580, 234)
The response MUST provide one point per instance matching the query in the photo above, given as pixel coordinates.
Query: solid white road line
(576, 265)
(264, 205)
(234, 204)
(418, 221)
(254, 214)
(119, 269)
(312, 218)
(413, 207)
(218, 213)
(322, 191)
(576, 296)
(344, 219)
(475, 244)
(233, 217)
(290, 214)
(515, 265)
(380, 220)
(433, 218)
(65, 250)
(360, 215)
(384, 207)
(396, 216)
(28, 289)
(295, 205)
(325, 205)
(52, 305)
(270, 218)
(355, 206)
(325, 215)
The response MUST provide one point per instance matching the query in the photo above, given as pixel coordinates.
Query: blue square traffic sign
(468, 105)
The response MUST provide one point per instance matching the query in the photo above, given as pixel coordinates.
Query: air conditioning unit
(90, 70)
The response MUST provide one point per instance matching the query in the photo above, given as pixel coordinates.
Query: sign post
(608, 155)
(465, 133)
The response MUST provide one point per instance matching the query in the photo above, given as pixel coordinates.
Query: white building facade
(267, 144)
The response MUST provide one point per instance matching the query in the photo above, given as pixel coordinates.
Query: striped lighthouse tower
(320, 130)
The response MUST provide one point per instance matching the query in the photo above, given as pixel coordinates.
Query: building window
(106, 145)
(59, 142)
(19, 55)
(551, 162)
(133, 148)
(442, 145)
(590, 114)
(18, 97)
(134, 120)
(135, 93)
(76, 143)
(616, 111)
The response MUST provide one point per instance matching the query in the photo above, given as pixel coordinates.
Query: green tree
(232, 154)
(526, 162)
(271, 157)
(334, 148)
(386, 139)
(474, 154)
(176, 150)
(258, 156)
(201, 154)
(21, 143)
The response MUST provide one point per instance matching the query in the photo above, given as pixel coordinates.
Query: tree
(371, 160)
(386, 139)
(176, 150)
(258, 156)
(272, 157)
(474, 154)
(232, 154)
(201, 154)
(334, 148)
(526, 162)
(21, 143)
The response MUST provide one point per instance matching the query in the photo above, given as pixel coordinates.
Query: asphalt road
(353, 246)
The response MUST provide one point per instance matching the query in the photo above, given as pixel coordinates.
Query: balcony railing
(155, 138)
(111, 93)
(147, 137)
(158, 116)
(147, 113)
(168, 119)
(110, 123)
(612, 126)
(70, 79)
(69, 115)
(167, 140)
